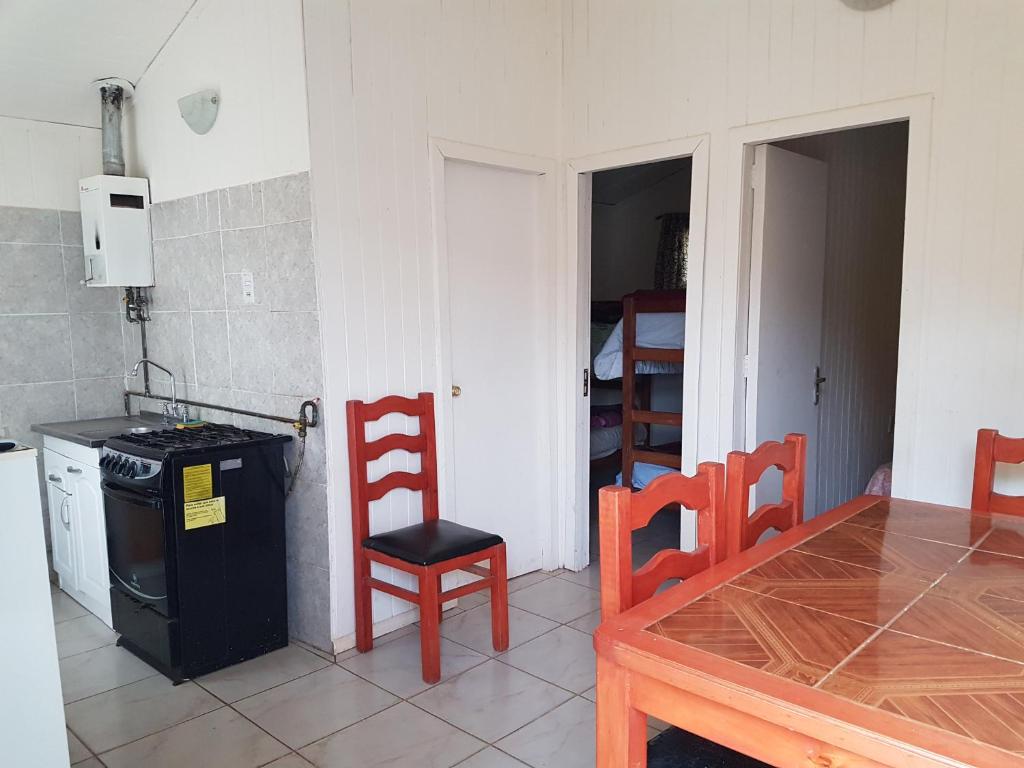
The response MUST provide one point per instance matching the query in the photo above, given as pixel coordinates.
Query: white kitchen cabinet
(77, 524)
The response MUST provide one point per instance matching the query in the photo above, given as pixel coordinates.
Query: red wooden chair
(743, 470)
(623, 511)
(992, 448)
(428, 549)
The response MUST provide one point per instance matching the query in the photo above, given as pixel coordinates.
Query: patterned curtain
(670, 264)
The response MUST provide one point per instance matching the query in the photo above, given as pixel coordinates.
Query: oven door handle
(129, 497)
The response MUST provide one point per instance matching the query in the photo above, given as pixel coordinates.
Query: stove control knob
(104, 460)
(144, 469)
(122, 465)
(133, 469)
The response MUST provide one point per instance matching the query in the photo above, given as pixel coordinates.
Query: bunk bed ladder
(643, 302)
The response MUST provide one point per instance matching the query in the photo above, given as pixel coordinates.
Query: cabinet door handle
(64, 507)
(74, 470)
(55, 478)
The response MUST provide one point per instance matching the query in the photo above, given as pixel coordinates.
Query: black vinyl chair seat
(676, 748)
(431, 542)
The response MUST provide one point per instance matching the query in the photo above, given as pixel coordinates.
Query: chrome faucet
(172, 411)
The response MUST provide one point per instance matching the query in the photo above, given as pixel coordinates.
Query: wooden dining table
(882, 633)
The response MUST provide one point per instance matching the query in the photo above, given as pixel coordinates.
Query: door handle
(818, 381)
(456, 390)
(55, 478)
(77, 471)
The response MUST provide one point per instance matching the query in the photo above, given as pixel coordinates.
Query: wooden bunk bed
(636, 391)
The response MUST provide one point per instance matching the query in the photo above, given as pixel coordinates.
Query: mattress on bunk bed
(604, 441)
(645, 474)
(654, 330)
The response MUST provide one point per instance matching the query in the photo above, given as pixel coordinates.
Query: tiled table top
(904, 608)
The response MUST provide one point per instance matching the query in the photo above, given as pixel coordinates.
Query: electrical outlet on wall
(248, 288)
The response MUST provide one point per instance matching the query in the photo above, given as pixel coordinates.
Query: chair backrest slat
(622, 511)
(381, 488)
(994, 448)
(743, 470)
(362, 452)
(409, 443)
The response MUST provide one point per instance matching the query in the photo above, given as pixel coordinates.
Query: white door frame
(574, 331)
(441, 150)
(917, 110)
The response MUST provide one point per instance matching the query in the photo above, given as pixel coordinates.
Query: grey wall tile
(96, 346)
(132, 340)
(286, 198)
(29, 225)
(238, 301)
(205, 271)
(241, 206)
(309, 604)
(34, 348)
(208, 212)
(245, 249)
(214, 396)
(70, 227)
(98, 398)
(290, 270)
(171, 266)
(23, 405)
(185, 216)
(213, 364)
(82, 298)
(169, 336)
(252, 351)
(294, 341)
(306, 523)
(32, 279)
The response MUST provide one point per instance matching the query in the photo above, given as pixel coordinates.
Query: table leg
(621, 729)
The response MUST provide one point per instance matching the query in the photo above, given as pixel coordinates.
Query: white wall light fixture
(199, 110)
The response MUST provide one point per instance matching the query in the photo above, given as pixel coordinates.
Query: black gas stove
(196, 545)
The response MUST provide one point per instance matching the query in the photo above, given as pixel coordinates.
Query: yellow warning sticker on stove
(199, 514)
(198, 482)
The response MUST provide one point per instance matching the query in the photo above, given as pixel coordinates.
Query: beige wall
(251, 52)
(636, 73)
(383, 78)
(572, 78)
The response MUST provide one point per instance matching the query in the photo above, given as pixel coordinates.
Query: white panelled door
(500, 451)
(787, 272)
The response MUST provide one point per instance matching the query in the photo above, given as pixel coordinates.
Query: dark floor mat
(675, 748)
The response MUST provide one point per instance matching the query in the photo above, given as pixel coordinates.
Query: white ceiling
(51, 50)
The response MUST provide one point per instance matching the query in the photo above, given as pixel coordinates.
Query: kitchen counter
(93, 433)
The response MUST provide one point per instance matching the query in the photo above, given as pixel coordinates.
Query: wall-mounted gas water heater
(118, 246)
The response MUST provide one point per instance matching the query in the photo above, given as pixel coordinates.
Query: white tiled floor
(530, 706)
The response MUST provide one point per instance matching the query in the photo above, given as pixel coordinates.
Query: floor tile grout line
(230, 705)
(110, 690)
(160, 730)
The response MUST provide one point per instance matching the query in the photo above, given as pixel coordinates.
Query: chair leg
(440, 603)
(499, 599)
(430, 627)
(364, 604)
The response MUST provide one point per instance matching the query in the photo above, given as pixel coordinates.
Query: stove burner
(207, 435)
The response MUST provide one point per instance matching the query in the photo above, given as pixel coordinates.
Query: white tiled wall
(261, 356)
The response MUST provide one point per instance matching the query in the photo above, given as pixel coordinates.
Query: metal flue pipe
(112, 100)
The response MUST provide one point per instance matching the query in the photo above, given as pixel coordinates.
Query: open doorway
(639, 247)
(826, 266)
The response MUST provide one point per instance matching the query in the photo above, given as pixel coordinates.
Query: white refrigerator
(31, 706)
